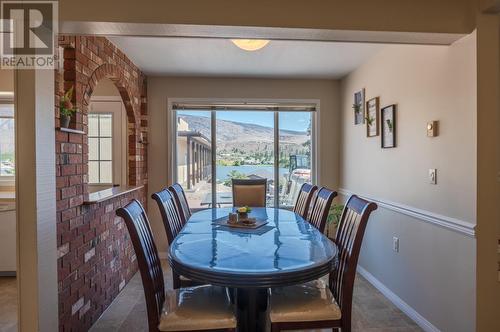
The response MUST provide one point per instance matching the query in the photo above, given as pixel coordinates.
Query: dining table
(285, 250)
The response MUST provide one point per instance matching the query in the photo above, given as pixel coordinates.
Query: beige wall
(427, 83)
(6, 80)
(488, 164)
(105, 87)
(162, 88)
(374, 15)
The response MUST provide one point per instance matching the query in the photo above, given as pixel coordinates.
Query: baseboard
(398, 302)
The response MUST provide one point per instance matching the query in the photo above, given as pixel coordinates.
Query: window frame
(8, 99)
(120, 132)
(99, 160)
(172, 139)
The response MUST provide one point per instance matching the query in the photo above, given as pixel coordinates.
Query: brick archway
(114, 74)
(90, 275)
(129, 95)
(87, 60)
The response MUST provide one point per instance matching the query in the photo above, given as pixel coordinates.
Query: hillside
(236, 136)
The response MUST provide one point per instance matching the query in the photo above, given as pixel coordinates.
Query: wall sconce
(432, 128)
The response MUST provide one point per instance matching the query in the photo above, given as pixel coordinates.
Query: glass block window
(100, 148)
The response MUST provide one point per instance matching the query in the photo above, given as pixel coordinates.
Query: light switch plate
(395, 244)
(433, 176)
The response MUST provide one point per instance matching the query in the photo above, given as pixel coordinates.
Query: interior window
(7, 140)
(100, 148)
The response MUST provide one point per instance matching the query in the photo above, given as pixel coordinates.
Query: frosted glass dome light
(250, 44)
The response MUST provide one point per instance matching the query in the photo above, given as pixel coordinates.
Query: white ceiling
(220, 57)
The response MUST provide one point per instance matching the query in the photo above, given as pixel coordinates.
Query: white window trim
(123, 181)
(172, 126)
(8, 98)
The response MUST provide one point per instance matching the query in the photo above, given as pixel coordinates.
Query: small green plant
(389, 124)
(66, 106)
(335, 214)
(369, 120)
(356, 107)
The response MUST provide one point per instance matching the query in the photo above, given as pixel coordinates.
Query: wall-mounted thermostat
(432, 128)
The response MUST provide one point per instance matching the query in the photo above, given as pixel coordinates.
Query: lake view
(264, 171)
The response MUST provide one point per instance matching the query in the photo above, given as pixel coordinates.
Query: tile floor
(372, 312)
(8, 304)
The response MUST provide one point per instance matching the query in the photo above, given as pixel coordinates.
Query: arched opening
(107, 137)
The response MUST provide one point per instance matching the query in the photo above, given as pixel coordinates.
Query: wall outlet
(395, 244)
(433, 176)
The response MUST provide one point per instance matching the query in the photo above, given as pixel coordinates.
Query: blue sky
(297, 121)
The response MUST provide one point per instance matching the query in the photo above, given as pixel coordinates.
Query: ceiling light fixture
(250, 44)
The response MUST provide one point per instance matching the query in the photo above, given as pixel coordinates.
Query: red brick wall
(96, 258)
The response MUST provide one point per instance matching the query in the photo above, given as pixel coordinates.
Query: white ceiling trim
(215, 31)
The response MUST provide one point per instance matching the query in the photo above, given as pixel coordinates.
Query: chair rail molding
(464, 227)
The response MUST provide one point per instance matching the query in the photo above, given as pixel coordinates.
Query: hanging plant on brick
(66, 109)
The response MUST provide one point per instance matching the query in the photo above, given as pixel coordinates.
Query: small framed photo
(372, 110)
(388, 123)
(359, 107)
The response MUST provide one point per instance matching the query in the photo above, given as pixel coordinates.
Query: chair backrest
(169, 213)
(310, 209)
(181, 201)
(147, 258)
(321, 208)
(249, 192)
(348, 239)
(304, 199)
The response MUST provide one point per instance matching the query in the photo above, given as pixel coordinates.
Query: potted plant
(66, 109)
(243, 212)
(333, 219)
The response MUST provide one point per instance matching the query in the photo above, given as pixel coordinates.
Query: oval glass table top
(287, 250)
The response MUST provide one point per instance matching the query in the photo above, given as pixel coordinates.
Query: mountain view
(246, 143)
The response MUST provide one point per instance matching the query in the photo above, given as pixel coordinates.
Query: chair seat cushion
(183, 278)
(186, 282)
(197, 308)
(308, 302)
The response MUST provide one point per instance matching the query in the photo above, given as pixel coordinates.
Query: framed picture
(388, 123)
(372, 110)
(359, 107)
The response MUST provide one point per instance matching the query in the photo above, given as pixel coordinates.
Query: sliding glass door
(245, 150)
(193, 156)
(295, 152)
(213, 147)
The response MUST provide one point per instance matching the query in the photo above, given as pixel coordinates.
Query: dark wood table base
(251, 304)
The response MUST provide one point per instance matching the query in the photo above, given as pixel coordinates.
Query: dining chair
(304, 198)
(319, 209)
(249, 192)
(172, 222)
(314, 304)
(202, 308)
(169, 213)
(181, 201)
